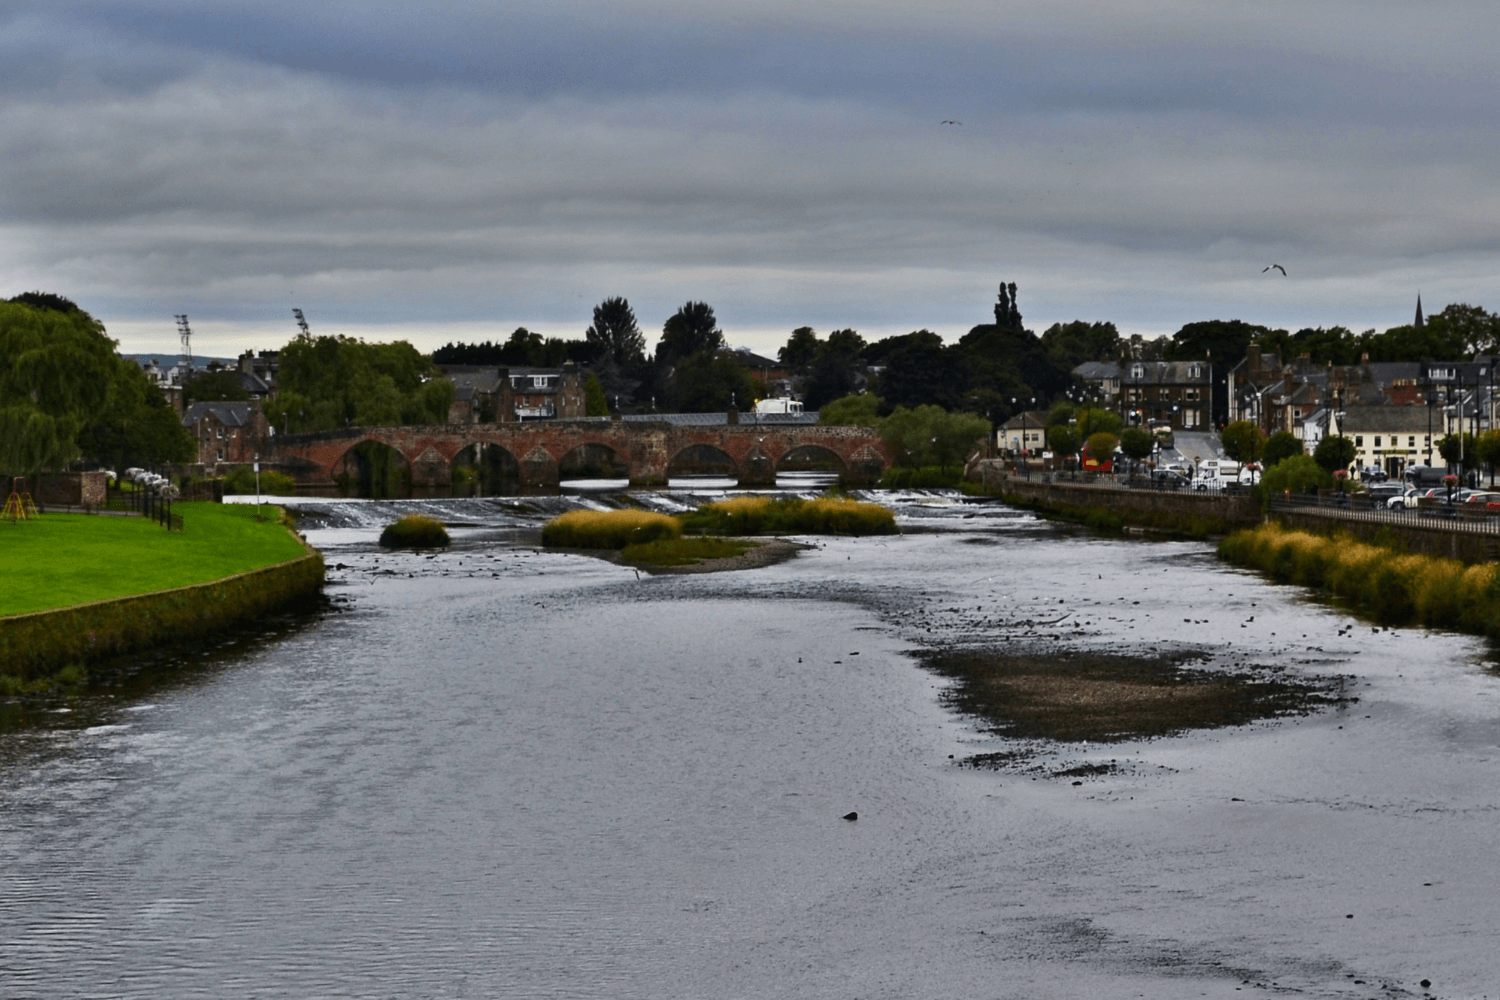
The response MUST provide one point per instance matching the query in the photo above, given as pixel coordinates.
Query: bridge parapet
(646, 448)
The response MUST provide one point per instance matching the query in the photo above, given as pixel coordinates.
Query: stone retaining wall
(1234, 511)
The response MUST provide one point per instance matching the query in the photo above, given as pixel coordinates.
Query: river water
(498, 771)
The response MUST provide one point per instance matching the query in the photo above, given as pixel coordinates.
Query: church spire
(1419, 322)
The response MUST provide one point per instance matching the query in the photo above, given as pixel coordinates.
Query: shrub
(414, 531)
(241, 480)
(608, 529)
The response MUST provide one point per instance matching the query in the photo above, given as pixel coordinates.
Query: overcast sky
(443, 171)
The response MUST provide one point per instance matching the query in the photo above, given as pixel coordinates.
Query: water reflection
(499, 771)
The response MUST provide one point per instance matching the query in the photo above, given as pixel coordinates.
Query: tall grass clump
(414, 531)
(1395, 587)
(791, 516)
(608, 529)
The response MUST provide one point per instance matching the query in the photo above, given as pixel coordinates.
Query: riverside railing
(1467, 518)
(147, 504)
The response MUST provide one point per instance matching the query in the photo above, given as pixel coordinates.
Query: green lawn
(63, 559)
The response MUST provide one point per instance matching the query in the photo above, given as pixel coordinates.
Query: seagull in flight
(1277, 266)
(949, 121)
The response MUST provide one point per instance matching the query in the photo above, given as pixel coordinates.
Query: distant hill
(168, 360)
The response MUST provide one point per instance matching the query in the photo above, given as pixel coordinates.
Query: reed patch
(757, 515)
(609, 529)
(1394, 587)
(685, 551)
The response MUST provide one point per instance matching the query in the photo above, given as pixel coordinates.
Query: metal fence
(1477, 519)
(147, 504)
(1105, 481)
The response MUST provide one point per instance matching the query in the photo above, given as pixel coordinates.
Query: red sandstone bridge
(537, 453)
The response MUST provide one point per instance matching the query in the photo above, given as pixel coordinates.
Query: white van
(778, 406)
(1218, 472)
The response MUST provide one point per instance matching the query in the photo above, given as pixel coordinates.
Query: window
(1411, 442)
(1195, 372)
(1359, 440)
(1138, 371)
(1377, 440)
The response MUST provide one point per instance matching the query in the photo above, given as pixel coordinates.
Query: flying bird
(1277, 266)
(949, 121)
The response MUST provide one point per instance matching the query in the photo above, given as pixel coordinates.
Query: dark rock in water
(1077, 782)
(1425, 983)
(851, 817)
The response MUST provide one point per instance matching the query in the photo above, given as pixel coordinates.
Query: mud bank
(1072, 696)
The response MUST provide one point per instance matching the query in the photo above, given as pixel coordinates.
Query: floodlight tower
(301, 320)
(187, 335)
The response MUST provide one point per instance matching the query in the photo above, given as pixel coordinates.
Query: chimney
(1253, 357)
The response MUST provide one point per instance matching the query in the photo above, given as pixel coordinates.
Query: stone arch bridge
(541, 448)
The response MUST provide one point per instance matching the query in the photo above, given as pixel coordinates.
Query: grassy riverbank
(60, 560)
(1393, 586)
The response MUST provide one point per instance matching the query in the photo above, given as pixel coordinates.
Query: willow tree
(56, 368)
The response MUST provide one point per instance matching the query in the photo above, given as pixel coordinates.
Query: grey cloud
(780, 164)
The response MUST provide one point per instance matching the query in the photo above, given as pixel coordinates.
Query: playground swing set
(18, 506)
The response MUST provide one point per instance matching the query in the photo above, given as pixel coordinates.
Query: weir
(646, 449)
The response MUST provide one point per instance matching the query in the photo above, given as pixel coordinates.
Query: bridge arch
(371, 468)
(484, 468)
(593, 460)
(812, 458)
(702, 460)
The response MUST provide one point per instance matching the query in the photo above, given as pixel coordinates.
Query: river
(498, 771)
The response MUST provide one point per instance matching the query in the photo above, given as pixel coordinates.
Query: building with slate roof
(226, 432)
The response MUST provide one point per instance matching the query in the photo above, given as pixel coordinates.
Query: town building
(1024, 433)
(1175, 394)
(226, 432)
(1392, 438)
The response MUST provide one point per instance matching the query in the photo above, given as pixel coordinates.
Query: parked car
(1406, 498)
(1373, 474)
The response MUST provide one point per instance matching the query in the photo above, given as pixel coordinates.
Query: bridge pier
(539, 469)
(431, 469)
(864, 467)
(756, 469)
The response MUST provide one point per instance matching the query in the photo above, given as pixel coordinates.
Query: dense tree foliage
(1068, 345)
(692, 329)
(595, 403)
(1063, 439)
(615, 334)
(1137, 443)
(1299, 474)
(66, 394)
(524, 349)
(930, 435)
(916, 436)
(1244, 441)
(1282, 444)
(331, 382)
(851, 411)
(1102, 445)
(218, 385)
(712, 381)
(136, 426)
(1334, 452)
(1096, 420)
